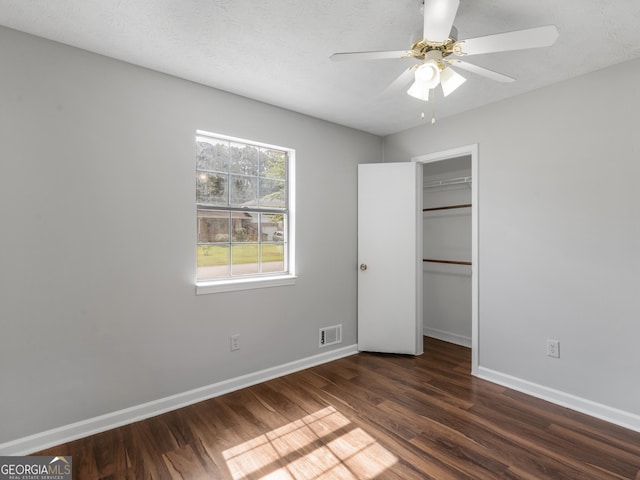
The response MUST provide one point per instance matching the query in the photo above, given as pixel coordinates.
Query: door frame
(475, 266)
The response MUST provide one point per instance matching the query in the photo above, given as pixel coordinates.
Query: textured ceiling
(277, 51)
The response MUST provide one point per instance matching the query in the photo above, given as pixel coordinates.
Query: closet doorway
(450, 250)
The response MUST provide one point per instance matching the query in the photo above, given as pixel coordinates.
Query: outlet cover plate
(235, 342)
(553, 348)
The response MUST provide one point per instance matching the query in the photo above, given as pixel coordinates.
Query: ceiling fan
(440, 49)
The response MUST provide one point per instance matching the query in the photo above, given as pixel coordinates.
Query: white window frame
(258, 281)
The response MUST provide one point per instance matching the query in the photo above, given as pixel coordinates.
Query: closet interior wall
(447, 237)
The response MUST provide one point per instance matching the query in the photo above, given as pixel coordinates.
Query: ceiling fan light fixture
(450, 80)
(419, 91)
(428, 74)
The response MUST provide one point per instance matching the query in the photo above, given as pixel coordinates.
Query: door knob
(363, 266)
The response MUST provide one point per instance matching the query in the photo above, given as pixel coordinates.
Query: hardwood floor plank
(367, 416)
(183, 463)
(543, 439)
(612, 459)
(621, 438)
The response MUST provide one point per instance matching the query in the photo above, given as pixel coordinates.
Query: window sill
(205, 288)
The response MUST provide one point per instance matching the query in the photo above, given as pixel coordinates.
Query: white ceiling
(277, 51)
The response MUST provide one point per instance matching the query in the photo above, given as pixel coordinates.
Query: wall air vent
(330, 335)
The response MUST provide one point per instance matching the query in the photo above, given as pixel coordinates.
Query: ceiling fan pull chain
(433, 111)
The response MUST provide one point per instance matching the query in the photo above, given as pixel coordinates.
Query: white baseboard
(582, 405)
(447, 336)
(91, 426)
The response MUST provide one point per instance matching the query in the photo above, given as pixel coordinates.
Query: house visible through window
(243, 199)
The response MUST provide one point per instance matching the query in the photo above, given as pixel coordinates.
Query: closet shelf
(449, 207)
(452, 262)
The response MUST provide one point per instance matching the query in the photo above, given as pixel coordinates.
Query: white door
(390, 257)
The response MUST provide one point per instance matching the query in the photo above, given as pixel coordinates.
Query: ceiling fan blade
(382, 55)
(400, 83)
(485, 72)
(438, 19)
(502, 42)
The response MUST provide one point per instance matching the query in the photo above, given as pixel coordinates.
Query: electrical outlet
(235, 342)
(553, 348)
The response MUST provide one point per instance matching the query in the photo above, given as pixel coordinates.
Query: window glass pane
(244, 259)
(237, 183)
(273, 163)
(272, 193)
(212, 154)
(244, 191)
(244, 227)
(213, 226)
(272, 227)
(213, 262)
(212, 188)
(244, 159)
(272, 258)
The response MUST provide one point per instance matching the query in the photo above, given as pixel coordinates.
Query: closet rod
(446, 208)
(453, 262)
(447, 182)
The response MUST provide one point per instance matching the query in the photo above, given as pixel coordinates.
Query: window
(244, 210)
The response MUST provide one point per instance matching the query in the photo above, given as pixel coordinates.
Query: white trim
(210, 135)
(419, 255)
(91, 426)
(609, 414)
(249, 283)
(448, 337)
(475, 257)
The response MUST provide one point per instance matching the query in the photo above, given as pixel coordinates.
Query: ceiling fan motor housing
(420, 48)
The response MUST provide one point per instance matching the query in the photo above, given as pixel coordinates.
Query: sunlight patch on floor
(321, 446)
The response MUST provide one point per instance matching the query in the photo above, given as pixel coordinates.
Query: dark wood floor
(368, 416)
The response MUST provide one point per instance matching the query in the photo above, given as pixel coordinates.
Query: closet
(447, 227)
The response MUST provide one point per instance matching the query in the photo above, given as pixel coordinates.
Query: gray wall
(559, 231)
(98, 310)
